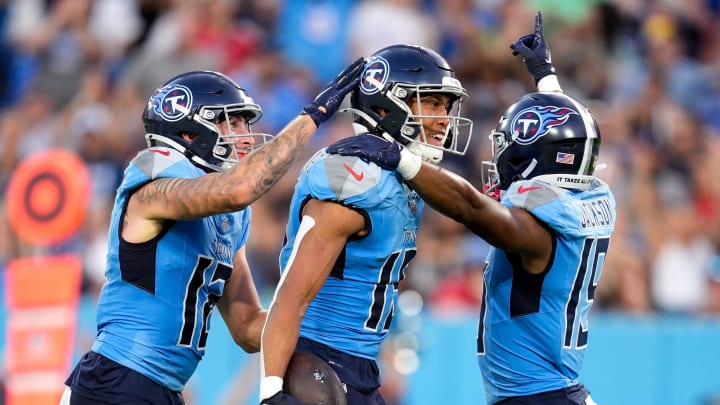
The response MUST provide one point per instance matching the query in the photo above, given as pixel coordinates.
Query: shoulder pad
(529, 194)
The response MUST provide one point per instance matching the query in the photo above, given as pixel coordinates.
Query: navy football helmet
(391, 78)
(545, 136)
(196, 102)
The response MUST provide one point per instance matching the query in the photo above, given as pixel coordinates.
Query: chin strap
(426, 153)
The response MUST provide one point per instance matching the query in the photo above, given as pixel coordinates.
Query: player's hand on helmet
(282, 398)
(535, 52)
(385, 153)
(329, 99)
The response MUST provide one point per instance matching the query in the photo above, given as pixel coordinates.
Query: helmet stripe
(591, 135)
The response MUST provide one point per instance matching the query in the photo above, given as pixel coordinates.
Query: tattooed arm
(231, 190)
(236, 188)
(227, 191)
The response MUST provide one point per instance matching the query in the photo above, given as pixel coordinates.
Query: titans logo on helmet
(375, 75)
(532, 123)
(172, 102)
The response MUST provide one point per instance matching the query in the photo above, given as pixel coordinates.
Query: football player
(550, 231)
(352, 226)
(178, 233)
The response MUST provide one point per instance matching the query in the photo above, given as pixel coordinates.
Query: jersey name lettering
(595, 213)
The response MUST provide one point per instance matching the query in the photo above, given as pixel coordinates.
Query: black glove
(535, 52)
(373, 148)
(282, 398)
(329, 99)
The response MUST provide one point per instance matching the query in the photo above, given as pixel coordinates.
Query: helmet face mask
(200, 104)
(544, 136)
(231, 146)
(398, 76)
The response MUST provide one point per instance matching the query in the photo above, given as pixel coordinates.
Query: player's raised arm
(537, 57)
(252, 176)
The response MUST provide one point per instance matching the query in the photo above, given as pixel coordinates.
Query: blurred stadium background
(75, 74)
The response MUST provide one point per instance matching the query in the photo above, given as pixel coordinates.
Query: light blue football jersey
(155, 307)
(353, 310)
(533, 329)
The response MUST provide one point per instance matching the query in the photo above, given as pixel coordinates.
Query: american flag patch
(565, 158)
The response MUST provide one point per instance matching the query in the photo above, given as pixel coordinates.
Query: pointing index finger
(538, 24)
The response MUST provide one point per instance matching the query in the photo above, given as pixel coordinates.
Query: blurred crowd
(76, 74)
